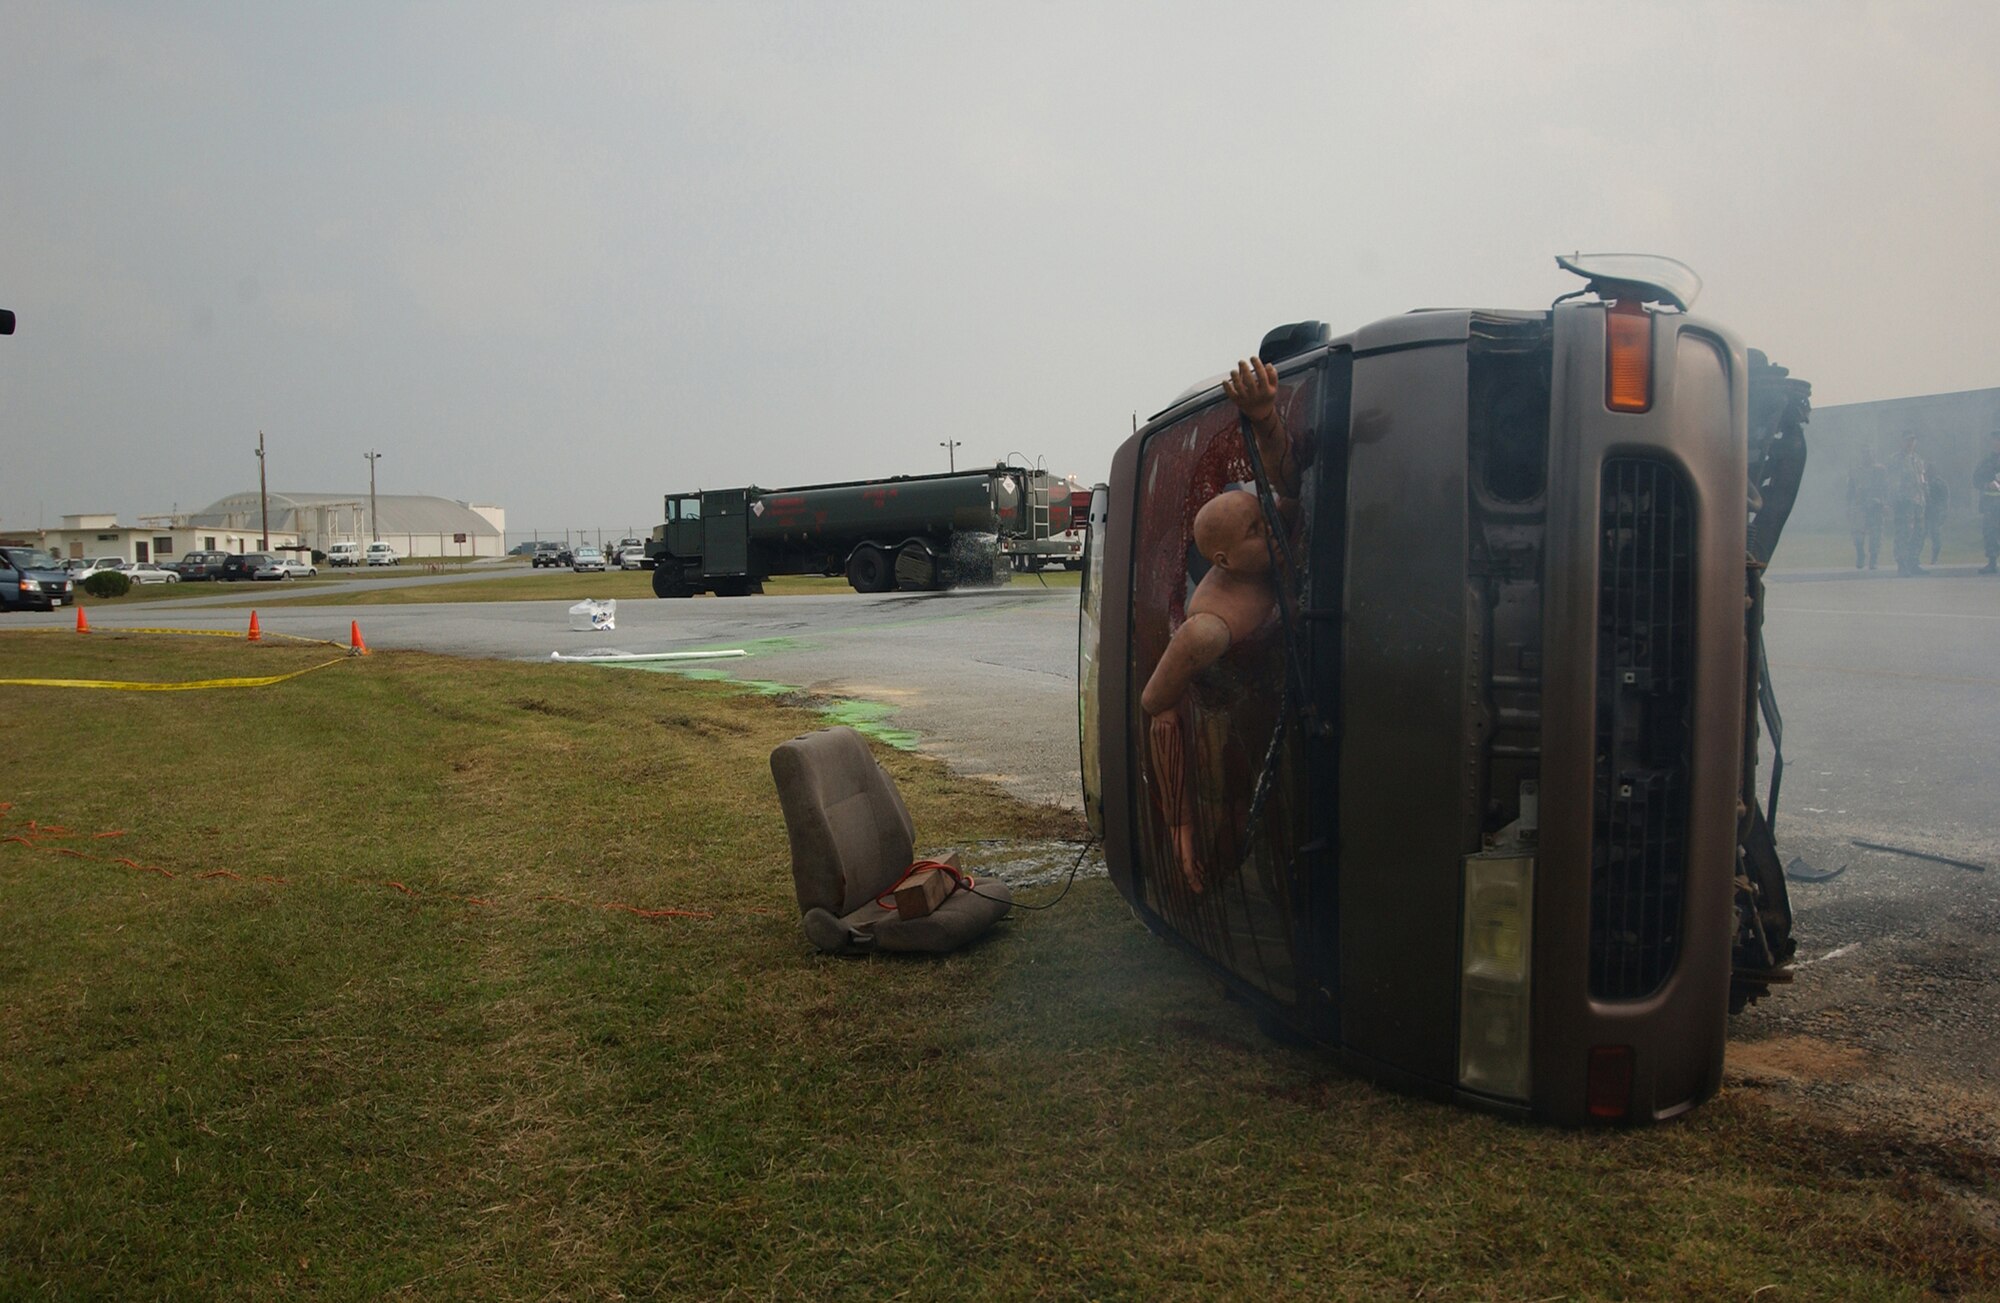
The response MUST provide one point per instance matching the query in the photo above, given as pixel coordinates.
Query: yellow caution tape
(169, 687)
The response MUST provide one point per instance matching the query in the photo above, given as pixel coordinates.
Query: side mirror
(1292, 340)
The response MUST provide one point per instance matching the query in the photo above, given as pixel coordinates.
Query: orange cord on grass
(658, 913)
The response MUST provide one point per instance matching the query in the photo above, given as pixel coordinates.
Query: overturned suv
(1472, 801)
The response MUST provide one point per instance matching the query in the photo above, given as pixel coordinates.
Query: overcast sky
(568, 257)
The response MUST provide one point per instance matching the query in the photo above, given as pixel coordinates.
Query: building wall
(1950, 430)
(147, 543)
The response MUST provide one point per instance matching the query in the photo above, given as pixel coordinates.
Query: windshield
(28, 558)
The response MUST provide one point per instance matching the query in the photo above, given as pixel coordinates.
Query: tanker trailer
(909, 532)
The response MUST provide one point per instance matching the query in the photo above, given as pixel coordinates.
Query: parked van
(343, 554)
(381, 554)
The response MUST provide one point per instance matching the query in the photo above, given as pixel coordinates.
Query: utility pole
(951, 447)
(374, 523)
(263, 495)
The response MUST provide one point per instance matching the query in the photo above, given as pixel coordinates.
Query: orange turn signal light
(1628, 357)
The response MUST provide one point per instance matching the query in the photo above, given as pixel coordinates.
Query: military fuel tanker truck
(909, 532)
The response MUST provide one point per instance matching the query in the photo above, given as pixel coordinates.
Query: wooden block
(922, 893)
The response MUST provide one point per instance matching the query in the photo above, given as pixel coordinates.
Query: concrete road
(1891, 698)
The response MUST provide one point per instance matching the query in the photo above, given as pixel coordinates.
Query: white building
(413, 524)
(154, 539)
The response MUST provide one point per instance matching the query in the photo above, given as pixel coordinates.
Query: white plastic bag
(590, 615)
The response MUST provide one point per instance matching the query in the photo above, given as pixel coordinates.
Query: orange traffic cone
(256, 634)
(82, 624)
(355, 647)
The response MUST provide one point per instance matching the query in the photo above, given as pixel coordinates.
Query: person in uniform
(1987, 477)
(1908, 494)
(1867, 503)
(1937, 498)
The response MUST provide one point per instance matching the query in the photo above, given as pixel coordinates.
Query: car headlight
(29, 585)
(1495, 948)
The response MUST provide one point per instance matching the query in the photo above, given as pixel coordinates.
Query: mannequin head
(1229, 531)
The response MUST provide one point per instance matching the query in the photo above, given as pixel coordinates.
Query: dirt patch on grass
(1795, 1059)
(703, 725)
(537, 706)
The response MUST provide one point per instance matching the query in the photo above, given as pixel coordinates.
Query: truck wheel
(916, 568)
(868, 571)
(668, 582)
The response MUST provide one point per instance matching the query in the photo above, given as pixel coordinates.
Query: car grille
(1644, 695)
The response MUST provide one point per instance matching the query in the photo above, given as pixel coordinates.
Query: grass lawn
(567, 585)
(345, 1007)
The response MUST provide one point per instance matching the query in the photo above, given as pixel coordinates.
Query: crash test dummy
(1232, 602)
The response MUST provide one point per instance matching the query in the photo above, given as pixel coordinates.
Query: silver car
(145, 572)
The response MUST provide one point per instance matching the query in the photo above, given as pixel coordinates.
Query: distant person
(1987, 477)
(1937, 496)
(1908, 494)
(1867, 504)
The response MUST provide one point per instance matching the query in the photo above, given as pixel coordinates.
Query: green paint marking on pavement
(871, 718)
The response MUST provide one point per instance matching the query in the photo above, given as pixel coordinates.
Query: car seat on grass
(852, 839)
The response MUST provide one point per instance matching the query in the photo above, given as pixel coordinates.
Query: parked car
(199, 565)
(274, 567)
(343, 554)
(31, 579)
(546, 554)
(145, 572)
(632, 558)
(523, 549)
(245, 565)
(587, 558)
(298, 569)
(81, 569)
(381, 554)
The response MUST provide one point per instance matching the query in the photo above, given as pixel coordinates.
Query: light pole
(951, 447)
(374, 523)
(263, 494)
